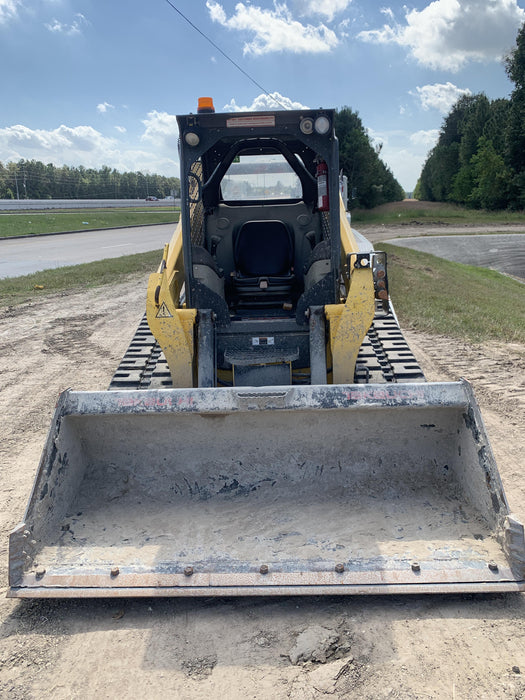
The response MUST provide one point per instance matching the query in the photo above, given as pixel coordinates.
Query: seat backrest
(264, 248)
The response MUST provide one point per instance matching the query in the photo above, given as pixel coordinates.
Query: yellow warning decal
(163, 312)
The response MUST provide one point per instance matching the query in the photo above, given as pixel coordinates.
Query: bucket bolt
(339, 568)
(188, 571)
(493, 566)
(40, 571)
(115, 571)
(264, 569)
(416, 566)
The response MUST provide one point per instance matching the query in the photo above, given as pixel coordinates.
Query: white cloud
(404, 152)
(265, 102)
(83, 138)
(425, 138)
(440, 96)
(60, 142)
(343, 26)
(161, 130)
(8, 10)
(274, 30)
(121, 129)
(327, 8)
(378, 138)
(103, 107)
(447, 34)
(216, 11)
(83, 145)
(72, 29)
(134, 160)
(405, 163)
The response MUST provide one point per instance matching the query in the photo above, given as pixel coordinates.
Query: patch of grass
(447, 298)
(34, 222)
(16, 290)
(433, 213)
(429, 294)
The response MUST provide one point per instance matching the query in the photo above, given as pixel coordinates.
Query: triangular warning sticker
(164, 312)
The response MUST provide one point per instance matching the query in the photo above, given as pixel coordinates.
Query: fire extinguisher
(321, 174)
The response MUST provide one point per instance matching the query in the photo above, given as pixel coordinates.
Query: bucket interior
(297, 491)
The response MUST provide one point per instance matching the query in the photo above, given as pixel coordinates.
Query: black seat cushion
(264, 248)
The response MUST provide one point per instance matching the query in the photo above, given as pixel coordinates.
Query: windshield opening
(260, 177)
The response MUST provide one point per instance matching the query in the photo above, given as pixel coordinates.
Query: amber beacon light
(205, 105)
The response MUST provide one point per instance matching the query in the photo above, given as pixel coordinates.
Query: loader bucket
(340, 489)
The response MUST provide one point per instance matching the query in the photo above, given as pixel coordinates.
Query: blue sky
(93, 82)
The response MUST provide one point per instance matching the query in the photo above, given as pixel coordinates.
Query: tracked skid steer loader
(268, 431)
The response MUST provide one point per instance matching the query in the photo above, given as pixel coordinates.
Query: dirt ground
(458, 646)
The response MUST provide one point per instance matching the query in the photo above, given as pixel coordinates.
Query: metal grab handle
(262, 399)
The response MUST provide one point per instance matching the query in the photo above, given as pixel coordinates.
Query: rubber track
(383, 357)
(141, 361)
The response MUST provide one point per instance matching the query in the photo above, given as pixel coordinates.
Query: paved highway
(502, 252)
(21, 256)
(22, 205)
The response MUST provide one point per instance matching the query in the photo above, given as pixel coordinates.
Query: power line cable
(205, 36)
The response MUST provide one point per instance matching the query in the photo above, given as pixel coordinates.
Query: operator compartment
(262, 253)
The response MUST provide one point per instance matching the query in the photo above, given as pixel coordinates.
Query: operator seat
(263, 256)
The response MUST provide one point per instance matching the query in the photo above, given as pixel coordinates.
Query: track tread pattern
(141, 361)
(385, 355)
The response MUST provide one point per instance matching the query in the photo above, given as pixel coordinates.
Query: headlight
(322, 125)
(191, 138)
(306, 125)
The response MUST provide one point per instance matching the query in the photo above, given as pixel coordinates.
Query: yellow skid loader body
(345, 480)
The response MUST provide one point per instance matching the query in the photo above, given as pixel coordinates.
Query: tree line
(31, 179)
(370, 181)
(479, 159)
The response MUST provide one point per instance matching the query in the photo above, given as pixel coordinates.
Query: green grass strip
(448, 298)
(30, 222)
(30, 288)
(436, 214)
